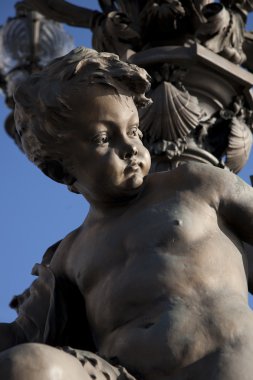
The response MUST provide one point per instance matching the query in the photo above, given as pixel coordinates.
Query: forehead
(100, 104)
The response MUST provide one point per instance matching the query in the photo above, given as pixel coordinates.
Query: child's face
(106, 153)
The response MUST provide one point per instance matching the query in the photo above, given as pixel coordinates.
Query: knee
(34, 361)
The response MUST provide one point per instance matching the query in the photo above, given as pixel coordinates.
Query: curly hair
(42, 102)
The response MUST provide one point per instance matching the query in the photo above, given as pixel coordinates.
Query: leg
(34, 361)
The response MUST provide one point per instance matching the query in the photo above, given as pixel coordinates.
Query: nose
(130, 150)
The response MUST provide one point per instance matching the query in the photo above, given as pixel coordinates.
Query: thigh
(32, 361)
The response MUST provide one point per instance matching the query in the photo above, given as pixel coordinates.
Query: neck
(114, 206)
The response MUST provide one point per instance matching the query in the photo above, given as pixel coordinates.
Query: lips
(132, 166)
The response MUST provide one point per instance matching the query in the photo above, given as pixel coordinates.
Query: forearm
(10, 336)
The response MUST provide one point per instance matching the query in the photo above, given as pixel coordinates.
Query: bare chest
(143, 240)
(137, 267)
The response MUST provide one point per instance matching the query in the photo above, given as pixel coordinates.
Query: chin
(133, 182)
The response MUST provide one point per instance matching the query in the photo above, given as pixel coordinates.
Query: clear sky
(35, 212)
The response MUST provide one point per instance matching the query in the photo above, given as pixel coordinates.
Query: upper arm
(229, 195)
(236, 205)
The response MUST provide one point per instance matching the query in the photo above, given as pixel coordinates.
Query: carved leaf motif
(223, 32)
(163, 9)
(239, 145)
(174, 114)
(119, 25)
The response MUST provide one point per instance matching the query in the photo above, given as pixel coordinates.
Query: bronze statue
(152, 285)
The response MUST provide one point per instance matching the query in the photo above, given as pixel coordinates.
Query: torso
(158, 280)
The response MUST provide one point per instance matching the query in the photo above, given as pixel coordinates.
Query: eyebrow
(113, 124)
(135, 117)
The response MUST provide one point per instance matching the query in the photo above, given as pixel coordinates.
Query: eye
(101, 139)
(135, 132)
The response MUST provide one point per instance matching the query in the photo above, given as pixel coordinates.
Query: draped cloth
(52, 311)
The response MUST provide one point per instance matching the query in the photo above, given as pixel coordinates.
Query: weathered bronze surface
(152, 285)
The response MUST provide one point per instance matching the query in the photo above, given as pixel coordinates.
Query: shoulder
(204, 181)
(205, 175)
(216, 185)
(61, 256)
(201, 171)
(198, 174)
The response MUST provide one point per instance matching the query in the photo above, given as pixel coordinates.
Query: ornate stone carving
(133, 28)
(136, 25)
(115, 24)
(227, 135)
(215, 83)
(173, 115)
(223, 33)
(185, 100)
(240, 135)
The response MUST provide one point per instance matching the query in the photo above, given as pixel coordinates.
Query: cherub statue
(152, 285)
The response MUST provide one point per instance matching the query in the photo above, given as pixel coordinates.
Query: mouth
(132, 167)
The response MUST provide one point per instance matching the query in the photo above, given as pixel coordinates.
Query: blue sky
(35, 211)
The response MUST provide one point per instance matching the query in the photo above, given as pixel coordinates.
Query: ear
(55, 170)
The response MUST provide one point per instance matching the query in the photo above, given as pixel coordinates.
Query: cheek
(146, 159)
(109, 164)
